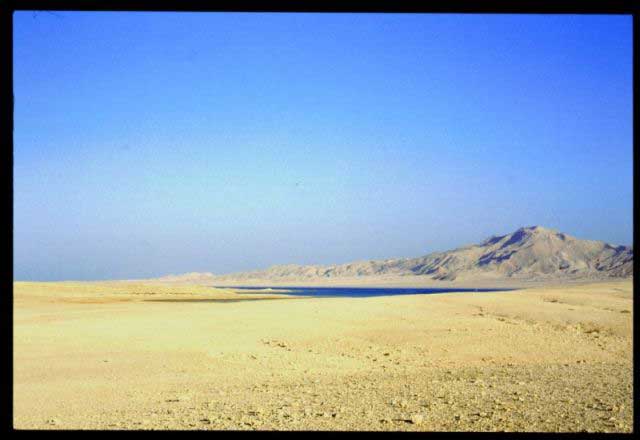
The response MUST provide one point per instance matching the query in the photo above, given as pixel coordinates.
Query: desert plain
(127, 355)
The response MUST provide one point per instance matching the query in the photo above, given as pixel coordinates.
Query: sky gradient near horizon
(155, 143)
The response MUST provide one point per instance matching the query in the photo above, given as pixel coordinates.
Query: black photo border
(7, 7)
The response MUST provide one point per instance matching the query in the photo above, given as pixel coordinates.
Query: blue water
(355, 292)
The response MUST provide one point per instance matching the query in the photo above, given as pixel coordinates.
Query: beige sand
(139, 356)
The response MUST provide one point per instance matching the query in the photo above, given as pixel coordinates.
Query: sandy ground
(139, 356)
(417, 281)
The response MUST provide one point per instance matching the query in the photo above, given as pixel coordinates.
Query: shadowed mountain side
(530, 253)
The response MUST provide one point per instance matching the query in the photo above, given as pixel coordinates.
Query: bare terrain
(119, 355)
(528, 256)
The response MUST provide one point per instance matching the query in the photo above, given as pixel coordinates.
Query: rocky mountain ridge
(529, 253)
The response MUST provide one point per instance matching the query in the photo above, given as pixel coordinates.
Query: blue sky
(155, 143)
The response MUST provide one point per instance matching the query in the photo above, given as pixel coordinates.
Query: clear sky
(155, 143)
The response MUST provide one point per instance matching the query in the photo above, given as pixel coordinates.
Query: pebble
(417, 419)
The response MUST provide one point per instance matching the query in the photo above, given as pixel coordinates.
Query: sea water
(356, 292)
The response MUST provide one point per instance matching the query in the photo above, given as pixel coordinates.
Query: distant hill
(530, 253)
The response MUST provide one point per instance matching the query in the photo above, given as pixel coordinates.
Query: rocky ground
(553, 360)
(552, 398)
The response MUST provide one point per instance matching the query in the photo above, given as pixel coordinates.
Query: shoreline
(417, 282)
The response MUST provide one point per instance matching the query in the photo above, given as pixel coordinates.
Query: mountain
(530, 253)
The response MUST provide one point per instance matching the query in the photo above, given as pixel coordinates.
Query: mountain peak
(529, 253)
(538, 229)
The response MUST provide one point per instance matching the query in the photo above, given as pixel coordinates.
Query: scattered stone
(417, 419)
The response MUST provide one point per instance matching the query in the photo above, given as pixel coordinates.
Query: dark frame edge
(6, 130)
(399, 6)
(454, 6)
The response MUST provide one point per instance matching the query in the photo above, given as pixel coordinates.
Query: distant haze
(154, 143)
